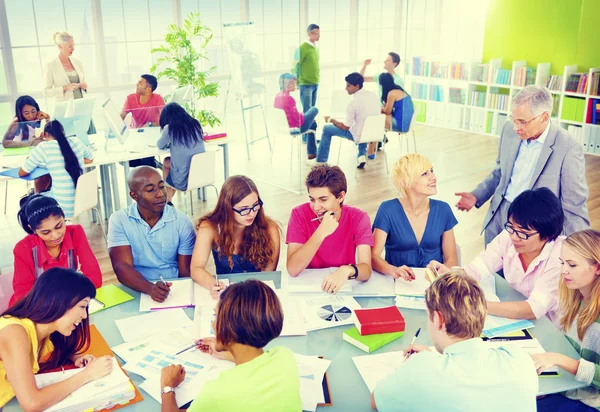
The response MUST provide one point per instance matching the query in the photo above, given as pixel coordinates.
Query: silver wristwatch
(167, 389)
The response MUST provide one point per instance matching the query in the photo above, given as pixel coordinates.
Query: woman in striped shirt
(64, 158)
(579, 304)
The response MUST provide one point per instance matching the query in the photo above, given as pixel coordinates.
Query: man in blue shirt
(150, 239)
(463, 374)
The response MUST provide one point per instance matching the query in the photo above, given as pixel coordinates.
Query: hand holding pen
(412, 347)
(160, 290)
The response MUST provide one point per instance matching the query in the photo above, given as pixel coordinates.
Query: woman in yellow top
(46, 329)
(248, 317)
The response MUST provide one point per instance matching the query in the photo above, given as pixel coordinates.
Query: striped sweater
(589, 364)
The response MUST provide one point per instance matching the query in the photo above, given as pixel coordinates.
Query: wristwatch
(355, 275)
(167, 389)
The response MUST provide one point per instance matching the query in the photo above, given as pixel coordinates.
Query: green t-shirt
(397, 79)
(308, 64)
(269, 382)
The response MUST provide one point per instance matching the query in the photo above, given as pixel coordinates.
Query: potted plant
(178, 59)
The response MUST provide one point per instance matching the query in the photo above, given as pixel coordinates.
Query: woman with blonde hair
(238, 233)
(413, 228)
(579, 305)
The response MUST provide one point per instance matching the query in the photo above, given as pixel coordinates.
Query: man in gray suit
(533, 153)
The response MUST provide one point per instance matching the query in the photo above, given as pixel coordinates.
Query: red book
(214, 136)
(379, 320)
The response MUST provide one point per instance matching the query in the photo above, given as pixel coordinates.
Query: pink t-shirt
(285, 102)
(144, 113)
(337, 249)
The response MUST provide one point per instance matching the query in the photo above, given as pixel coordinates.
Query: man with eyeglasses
(533, 153)
(150, 241)
(528, 252)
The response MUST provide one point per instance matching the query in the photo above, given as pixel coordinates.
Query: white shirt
(364, 103)
(522, 173)
(468, 377)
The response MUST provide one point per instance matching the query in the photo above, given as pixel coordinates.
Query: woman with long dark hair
(239, 234)
(64, 158)
(21, 131)
(46, 329)
(183, 134)
(49, 243)
(394, 105)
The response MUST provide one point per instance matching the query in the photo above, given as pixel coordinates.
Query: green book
(370, 343)
(109, 296)
(16, 151)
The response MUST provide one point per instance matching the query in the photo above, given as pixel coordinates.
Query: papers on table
(176, 339)
(204, 316)
(293, 320)
(321, 312)
(202, 295)
(373, 368)
(311, 370)
(95, 306)
(496, 326)
(180, 296)
(162, 321)
(310, 280)
(106, 392)
(531, 346)
(416, 287)
(377, 285)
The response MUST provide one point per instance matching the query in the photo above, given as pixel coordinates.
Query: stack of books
(554, 83)
(436, 93)
(457, 71)
(439, 70)
(498, 101)
(595, 84)
(476, 99)
(419, 91)
(577, 83)
(500, 76)
(573, 109)
(375, 328)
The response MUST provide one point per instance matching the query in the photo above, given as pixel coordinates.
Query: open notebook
(185, 293)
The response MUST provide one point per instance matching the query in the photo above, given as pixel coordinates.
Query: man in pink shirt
(144, 105)
(326, 233)
(528, 252)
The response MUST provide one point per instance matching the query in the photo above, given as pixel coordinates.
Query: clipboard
(326, 391)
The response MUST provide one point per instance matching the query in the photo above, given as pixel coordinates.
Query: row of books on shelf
(554, 83)
(458, 72)
(476, 98)
(457, 117)
(498, 101)
(594, 116)
(573, 109)
(594, 85)
(436, 93)
(524, 76)
(500, 76)
(588, 136)
(439, 70)
(577, 83)
(419, 91)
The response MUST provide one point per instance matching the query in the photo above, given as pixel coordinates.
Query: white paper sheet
(373, 368)
(415, 287)
(202, 295)
(177, 339)
(204, 316)
(497, 326)
(148, 324)
(377, 285)
(531, 346)
(180, 296)
(321, 312)
(310, 280)
(95, 306)
(293, 320)
(311, 370)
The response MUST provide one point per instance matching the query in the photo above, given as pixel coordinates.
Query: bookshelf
(477, 96)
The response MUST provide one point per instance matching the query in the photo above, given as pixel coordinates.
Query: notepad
(109, 296)
(16, 151)
(531, 346)
(310, 281)
(496, 326)
(181, 295)
(373, 368)
(35, 173)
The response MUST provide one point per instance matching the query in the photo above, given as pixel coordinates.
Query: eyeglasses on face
(520, 123)
(521, 235)
(247, 210)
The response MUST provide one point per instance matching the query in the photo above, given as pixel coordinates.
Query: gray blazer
(560, 168)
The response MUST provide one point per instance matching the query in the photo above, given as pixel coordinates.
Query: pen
(193, 345)
(430, 275)
(163, 281)
(413, 341)
(320, 217)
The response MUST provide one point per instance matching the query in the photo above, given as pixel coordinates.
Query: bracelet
(355, 275)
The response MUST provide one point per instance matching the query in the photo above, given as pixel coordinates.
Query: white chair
(86, 196)
(411, 129)
(373, 131)
(6, 290)
(202, 174)
(283, 130)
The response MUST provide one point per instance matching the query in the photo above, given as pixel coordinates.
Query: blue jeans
(309, 119)
(328, 132)
(308, 98)
(556, 403)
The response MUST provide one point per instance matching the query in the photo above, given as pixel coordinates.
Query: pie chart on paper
(334, 313)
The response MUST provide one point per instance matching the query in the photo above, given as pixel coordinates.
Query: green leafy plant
(177, 61)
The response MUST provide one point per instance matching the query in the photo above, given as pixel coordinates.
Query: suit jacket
(560, 168)
(55, 77)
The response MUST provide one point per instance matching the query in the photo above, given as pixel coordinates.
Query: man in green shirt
(306, 69)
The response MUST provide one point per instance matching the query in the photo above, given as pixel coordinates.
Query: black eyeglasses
(247, 210)
(520, 235)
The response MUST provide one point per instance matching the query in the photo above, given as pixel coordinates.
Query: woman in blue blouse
(413, 228)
